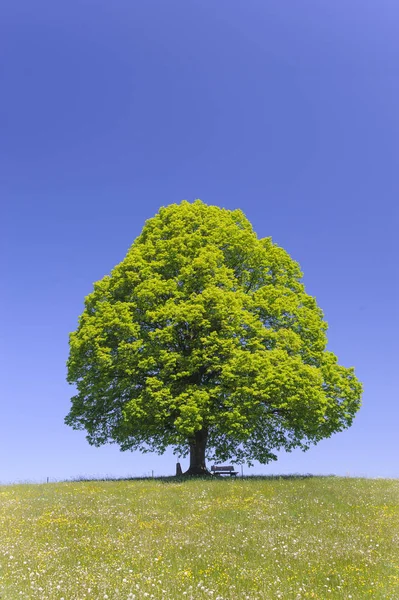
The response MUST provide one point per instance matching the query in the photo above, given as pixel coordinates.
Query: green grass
(222, 539)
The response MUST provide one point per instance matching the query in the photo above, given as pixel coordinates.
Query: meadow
(225, 539)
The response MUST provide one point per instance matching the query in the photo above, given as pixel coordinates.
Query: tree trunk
(197, 454)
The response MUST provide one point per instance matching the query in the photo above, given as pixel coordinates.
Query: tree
(203, 338)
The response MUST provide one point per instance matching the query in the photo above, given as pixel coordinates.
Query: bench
(226, 470)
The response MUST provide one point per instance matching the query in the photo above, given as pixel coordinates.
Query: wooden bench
(226, 470)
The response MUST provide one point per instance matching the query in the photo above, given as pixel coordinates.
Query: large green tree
(203, 338)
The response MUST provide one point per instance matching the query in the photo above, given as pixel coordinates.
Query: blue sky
(287, 110)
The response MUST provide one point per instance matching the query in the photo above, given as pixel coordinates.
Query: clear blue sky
(108, 110)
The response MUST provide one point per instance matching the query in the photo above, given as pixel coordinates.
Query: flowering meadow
(254, 538)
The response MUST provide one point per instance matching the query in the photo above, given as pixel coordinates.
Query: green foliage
(205, 327)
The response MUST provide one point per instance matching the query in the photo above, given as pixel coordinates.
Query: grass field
(316, 537)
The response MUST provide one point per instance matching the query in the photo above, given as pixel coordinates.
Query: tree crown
(205, 327)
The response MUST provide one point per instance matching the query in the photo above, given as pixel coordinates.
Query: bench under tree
(223, 470)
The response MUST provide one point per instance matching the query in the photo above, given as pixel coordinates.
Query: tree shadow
(173, 479)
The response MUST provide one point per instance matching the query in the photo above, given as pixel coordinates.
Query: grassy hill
(316, 537)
